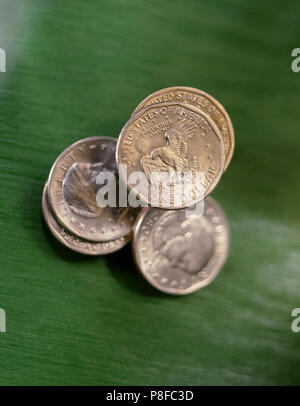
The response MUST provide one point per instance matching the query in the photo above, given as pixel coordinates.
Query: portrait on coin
(183, 245)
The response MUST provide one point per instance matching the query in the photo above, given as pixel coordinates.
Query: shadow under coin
(61, 250)
(123, 269)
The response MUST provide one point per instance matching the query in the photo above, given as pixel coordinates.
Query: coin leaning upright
(172, 139)
(204, 102)
(76, 243)
(177, 254)
(73, 188)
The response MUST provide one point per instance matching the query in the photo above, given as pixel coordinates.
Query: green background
(77, 69)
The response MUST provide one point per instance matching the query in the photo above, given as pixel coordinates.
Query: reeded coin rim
(216, 130)
(141, 105)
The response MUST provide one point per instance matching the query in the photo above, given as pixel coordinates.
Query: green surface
(77, 69)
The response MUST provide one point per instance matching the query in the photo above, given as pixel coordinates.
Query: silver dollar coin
(178, 254)
(76, 243)
(73, 187)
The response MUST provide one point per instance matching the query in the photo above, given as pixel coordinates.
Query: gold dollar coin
(179, 254)
(76, 243)
(73, 188)
(204, 102)
(179, 151)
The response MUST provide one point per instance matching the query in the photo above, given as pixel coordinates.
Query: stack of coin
(170, 155)
(69, 201)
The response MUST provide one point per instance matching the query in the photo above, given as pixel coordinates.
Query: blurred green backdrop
(77, 69)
